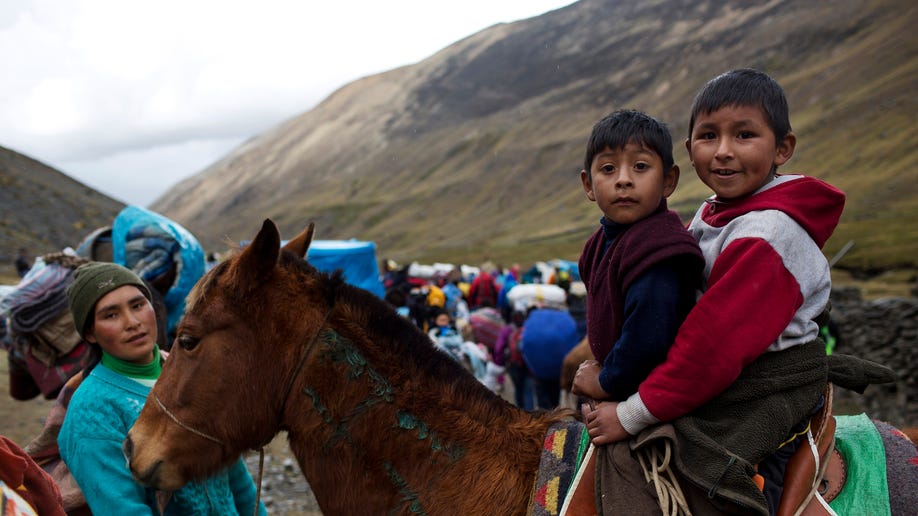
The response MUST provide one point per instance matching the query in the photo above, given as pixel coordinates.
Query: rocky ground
(283, 488)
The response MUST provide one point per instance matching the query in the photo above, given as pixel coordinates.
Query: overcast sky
(130, 97)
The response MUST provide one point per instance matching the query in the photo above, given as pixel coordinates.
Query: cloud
(90, 85)
(140, 176)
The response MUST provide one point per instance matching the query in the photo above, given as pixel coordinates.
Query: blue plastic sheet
(149, 243)
(356, 259)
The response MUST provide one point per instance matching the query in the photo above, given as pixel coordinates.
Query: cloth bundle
(151, 245)
(151, 251)
(486, 325)
(41, 294)
(45, 349)
(19, 473)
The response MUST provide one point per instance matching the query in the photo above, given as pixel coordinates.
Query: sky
(131, 97)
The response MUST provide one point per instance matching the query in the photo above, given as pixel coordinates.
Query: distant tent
(355, 258)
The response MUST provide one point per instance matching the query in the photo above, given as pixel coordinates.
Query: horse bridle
(261, 450)
(181, 425)
(302, 363)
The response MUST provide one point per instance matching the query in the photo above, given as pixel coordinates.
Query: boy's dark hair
(745, 87)
(625, 126)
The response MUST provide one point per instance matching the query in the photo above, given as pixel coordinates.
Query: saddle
(815, 474)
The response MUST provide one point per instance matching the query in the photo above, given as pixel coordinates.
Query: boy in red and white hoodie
(747, 369)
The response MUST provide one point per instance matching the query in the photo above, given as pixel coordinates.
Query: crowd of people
(510, 328)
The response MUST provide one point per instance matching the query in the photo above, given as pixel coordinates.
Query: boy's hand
(603, 425)
(586, 381)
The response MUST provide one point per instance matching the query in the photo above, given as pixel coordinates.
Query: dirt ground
(19, 420)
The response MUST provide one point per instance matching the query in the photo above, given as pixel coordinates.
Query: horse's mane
(397, 336)
(389, 332)
(204, 285)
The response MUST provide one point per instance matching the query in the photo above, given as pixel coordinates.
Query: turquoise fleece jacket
(101, 412)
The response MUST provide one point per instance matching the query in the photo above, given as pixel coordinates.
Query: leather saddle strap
(581, 498)
(806, 469)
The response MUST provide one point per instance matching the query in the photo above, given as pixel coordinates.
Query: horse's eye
(187, 342)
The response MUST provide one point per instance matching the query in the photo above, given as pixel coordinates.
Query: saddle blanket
(562, 451)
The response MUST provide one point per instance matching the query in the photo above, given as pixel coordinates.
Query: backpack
(486, 324)
(486, 292)
(514, 351)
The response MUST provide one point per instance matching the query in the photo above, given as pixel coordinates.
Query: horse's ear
(300, 244)
(260, 256)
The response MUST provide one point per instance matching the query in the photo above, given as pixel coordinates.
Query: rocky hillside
(45, 210)
(475, 152)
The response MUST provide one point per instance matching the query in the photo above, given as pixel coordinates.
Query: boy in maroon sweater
(641, 267)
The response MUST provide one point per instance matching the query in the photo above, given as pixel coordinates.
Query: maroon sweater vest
(608, 274)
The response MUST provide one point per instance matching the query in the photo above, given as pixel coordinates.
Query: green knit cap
(91, 281)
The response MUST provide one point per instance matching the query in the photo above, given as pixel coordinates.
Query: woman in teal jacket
(111, 309)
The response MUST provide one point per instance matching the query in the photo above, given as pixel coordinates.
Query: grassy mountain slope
(474, 153)
(44, 210)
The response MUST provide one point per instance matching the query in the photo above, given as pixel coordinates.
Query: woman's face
(124, 325)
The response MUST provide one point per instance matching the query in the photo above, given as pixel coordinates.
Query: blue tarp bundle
(548, 335)
(149, 244)
(356, 259)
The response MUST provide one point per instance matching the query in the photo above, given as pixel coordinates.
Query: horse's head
(224, 384)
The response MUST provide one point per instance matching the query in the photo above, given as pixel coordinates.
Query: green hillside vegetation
(43, 210)
(474, 153)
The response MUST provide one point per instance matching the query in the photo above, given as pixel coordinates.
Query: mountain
(43, 209)
(474, 153)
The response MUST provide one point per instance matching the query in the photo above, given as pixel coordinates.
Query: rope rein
(656, 469)
(302, 362)
(261, 469)
(296, 373)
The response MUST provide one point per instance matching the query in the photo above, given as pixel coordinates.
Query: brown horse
(380, 421)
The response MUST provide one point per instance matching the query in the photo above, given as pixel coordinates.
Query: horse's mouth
(150, 477)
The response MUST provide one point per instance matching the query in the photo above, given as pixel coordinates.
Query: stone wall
(884, 331)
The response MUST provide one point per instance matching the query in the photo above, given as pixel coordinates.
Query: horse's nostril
(128, 448)
(151, 476)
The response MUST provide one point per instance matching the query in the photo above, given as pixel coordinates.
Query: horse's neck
(398, 434)
(389, 460)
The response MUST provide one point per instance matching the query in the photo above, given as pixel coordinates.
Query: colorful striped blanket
(563, 449)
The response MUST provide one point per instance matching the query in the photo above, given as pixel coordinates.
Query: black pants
(548, 392)
(773, 467)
